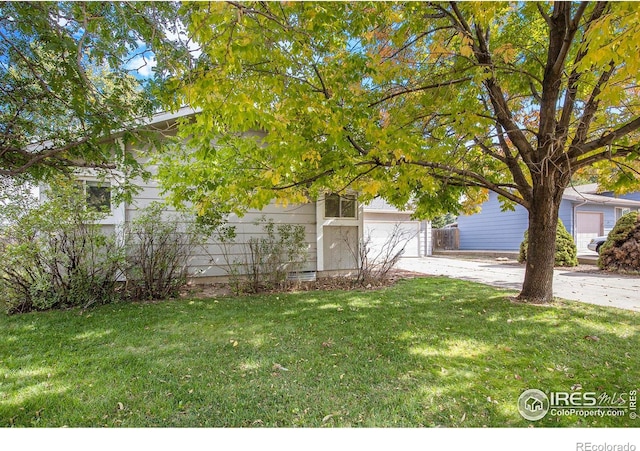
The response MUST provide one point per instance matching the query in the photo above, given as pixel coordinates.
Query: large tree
(435, 102)
(71, 74)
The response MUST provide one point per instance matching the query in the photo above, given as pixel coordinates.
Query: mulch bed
(323, 284)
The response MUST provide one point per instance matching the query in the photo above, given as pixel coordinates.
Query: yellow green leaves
(466, 46)
(403, 100)
(312, 156)
(506, 52)
(372, 188)
(614, 37)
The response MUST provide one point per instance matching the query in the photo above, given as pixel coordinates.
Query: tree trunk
(541, 250)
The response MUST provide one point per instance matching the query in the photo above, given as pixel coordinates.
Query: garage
(385, 226)
(588, 226)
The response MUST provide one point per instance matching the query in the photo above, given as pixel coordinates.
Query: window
(98, 195)
(336, 206)
(620, 212)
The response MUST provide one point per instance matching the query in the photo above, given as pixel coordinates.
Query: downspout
(575, 220)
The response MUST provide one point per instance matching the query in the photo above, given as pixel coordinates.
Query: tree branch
(266, 15)
(603, 141)
(591, 108)
(542, 12)
(470, 176)
(38, 157)
(325, 91)
(569, 33)
(421, 88)
(604, 155)
(562, 127)
(489, 152)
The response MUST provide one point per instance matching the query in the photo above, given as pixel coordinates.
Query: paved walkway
(588, 285)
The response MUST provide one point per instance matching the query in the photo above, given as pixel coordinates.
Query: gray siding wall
(208, 260)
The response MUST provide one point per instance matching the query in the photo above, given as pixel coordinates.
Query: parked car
(596, 243)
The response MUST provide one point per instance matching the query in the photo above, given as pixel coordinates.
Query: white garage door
(407, 236)
(588, 225)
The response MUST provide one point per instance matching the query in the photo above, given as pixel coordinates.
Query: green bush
(621, 251)
(566, 250)
(264, 262)
(55, 255)
(158, 251)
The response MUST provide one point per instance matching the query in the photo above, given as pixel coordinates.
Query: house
(585, 211)
(533, 404)
(381, 220)
(334, 225)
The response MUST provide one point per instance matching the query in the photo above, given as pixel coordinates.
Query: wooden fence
(445, 239)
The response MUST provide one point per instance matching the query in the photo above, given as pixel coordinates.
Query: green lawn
(426, 352)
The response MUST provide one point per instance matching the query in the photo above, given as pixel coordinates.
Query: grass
(426, 352)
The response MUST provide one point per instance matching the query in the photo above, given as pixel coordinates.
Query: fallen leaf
(517, 376)
(327, 418)
(592, 337)
(277, 366)
(120, 406)
(576, 387)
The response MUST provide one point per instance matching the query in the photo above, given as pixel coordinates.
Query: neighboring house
(585, 211)
(382, 219)
(334, 225)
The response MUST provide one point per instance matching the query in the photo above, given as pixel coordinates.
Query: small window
(620, 212)
(97, 194)
(336, 206)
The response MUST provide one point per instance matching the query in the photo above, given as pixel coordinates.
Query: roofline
(164, 116)
(601, 200)
(157, 118)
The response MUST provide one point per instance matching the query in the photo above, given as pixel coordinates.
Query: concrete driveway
(585, 284)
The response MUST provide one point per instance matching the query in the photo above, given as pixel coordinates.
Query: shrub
(621, 251)
(566, 250)
(158, 252)
(55, 255)
(374, 265)
(265, 261)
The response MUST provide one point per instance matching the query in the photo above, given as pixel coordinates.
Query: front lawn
(426, 352)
